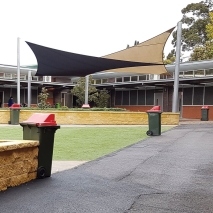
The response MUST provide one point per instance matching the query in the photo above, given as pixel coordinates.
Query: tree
(205, 51)
(102, 99)
(99, 97)
(202, 52)
(170, 57)
(196, 18)
(136, 43)
(79, 91)
(43, 95)
(209, 27)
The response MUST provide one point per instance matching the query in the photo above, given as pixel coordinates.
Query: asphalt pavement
(161, 174)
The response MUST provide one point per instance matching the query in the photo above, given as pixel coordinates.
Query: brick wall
(93, 117)
(19, 162)
(194, 112)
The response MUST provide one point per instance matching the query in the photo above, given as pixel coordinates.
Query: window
(8, 75)
(34, 78)
(104, 81)
(209, 72)
(125, 98)
(98, 81)
(198, 96)
(126, 78)
(111, 80)
(187, 96)
(141, 97)
(134, 78)
(199, 73)
(180, 74)
(133, 97)
(142, 78)
(208, 96)
(118, 79)
(149, 97)
(118, 97)
(188, 74)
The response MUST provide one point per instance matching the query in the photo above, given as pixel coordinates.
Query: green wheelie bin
(205, 113)
(154, 121)
(42, 127)
(14, 114)
(57, 105)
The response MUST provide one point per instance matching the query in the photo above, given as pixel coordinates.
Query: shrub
(43, 98)
(75, 109)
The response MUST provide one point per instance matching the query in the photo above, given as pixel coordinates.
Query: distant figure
(10, 102)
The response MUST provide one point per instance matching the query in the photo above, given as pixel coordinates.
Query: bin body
(204, 114)
(44, 133)
(154, 120)
(14, 114)
(58, 105)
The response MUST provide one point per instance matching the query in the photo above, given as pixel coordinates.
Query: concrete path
(168, 173)
(59, 166)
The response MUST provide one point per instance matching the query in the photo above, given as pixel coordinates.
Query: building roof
(185, 66)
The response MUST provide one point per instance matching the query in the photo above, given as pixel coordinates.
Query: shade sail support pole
(18, 70)
(86, 89)
(175, 101)
(29, 89)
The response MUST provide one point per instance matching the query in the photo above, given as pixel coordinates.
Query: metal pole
(177, 68)
(18, 70)
(29, 89)
(86, 88)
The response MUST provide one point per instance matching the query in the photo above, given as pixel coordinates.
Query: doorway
(63, 98)
(158, 100)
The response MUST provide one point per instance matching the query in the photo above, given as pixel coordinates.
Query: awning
(146, 57)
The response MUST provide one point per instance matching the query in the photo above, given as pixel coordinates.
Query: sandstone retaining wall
(18, 162)
(95, 117)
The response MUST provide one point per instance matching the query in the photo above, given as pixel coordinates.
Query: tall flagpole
(18, 70)
(177, 69)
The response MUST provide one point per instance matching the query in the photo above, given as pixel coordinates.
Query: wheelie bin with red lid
(42, 127)
(154, 120)
(205, 113)
(14, 114)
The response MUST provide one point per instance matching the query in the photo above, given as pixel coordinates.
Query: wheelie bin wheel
(149, 133)
(41, 172)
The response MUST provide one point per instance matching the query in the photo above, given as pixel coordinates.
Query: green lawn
(81, 143)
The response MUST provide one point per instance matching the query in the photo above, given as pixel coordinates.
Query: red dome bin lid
(155, 109)
(41, 119)
(15, 106)
(205, 107)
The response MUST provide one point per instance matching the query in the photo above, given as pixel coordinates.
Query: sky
(88, 27)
